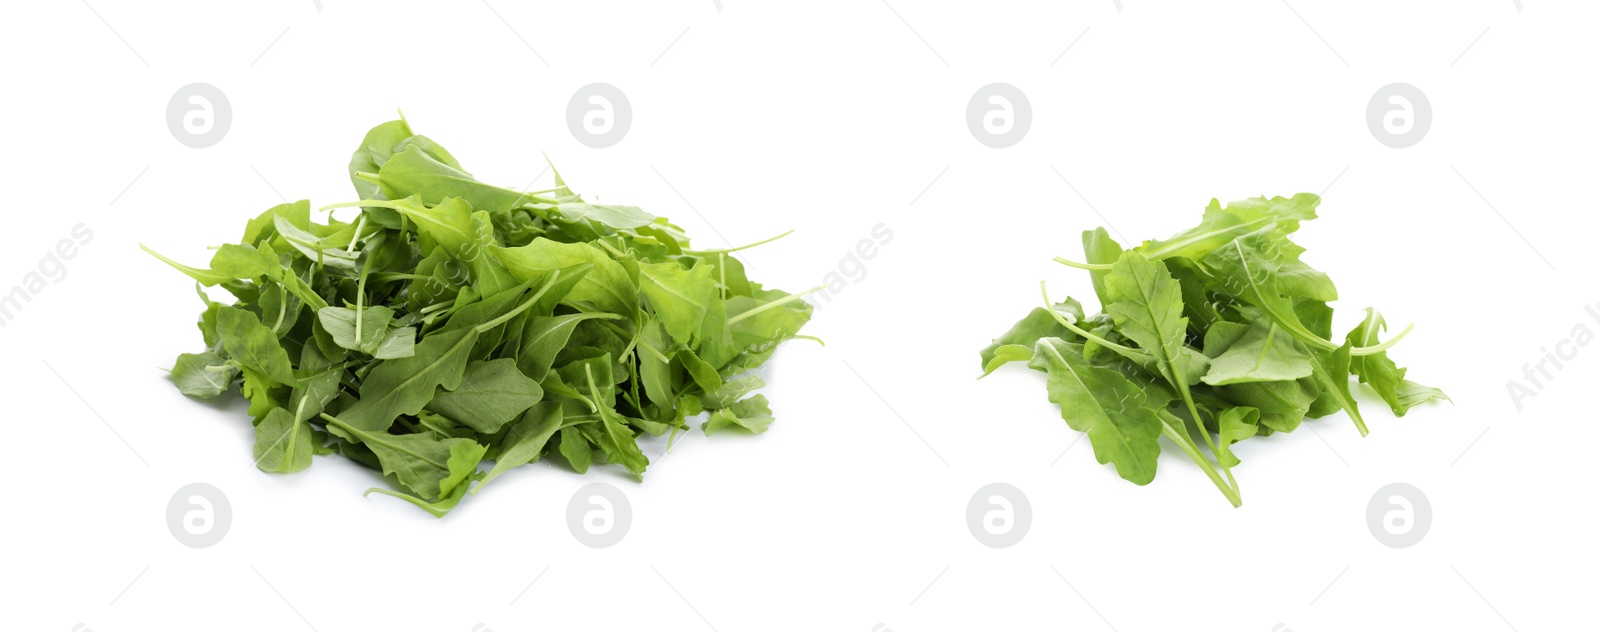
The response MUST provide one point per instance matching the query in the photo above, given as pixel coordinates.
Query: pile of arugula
(1219, 332)
(454, 322)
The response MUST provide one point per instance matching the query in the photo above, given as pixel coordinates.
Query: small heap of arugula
(1219, 332)
(453, 323)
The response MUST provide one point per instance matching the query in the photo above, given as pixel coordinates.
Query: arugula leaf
(575, 449)
(1099, 248)
(526, 439)
(283, 443)
(1332, 373)
(491, 393)
(204, 375)
(1381, 373)
(428, 466)
(414, 171)
(399, 342)
(1258, 352)
(404, 386)
(608, 287)
(1234, 425)
(678, 297)
(363, 331)
(732, 391)
(1039, 323)
(1119, 417)
(253, 346)
(751, 414)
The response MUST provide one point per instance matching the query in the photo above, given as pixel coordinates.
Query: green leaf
(1234, 425)
(1006, 354)
(544, 337)
(325, 251)
(439, 507)
(204, 276)
(1147, 305)
(575, 449)
(732, 391)
(1248, 270)
(1100, 249)
(1412, 394)
(416, 172)
(1037, 324)
(253, 345)
(1119, 416)
(526, 439)
(1282, 404)
(283, 443)
(491, 394)
(751, 414)
(1333, 377)
(1381, 373)
(404, 386)
(769, 317)
(704, 375)
(263, 393)
(399, 342)
(655, 368)
(428, 466)
(1263, 353)
(363, 331)
(1221, 225)
(243, 261)
(608, 287)
(204, 375)
(448, 223)
(611, 216)
(678, 297)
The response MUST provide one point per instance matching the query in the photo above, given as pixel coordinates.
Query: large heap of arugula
(453, 322)
(1220, 332)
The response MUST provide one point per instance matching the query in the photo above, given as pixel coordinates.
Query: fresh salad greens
(1220, 332)
(453, 323)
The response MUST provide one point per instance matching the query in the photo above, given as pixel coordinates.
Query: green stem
(722, 272)
(1061, 318)
(1188, 400)
(361, 224)
(361, 293)
(520, 308)
(1189, 448)
(1083, 266)
(1382, 346)
(737, 249)
(787, 299)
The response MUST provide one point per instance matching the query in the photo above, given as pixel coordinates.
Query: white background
(828, 118)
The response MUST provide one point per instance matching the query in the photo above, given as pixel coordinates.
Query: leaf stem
(787, 299)
(1382, 346)
(1188, 400)
(361, 292)
(361, 224)
(1061, 318)
(1083, 266)
(554, 274)
(738, 248)
(1187, 445)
